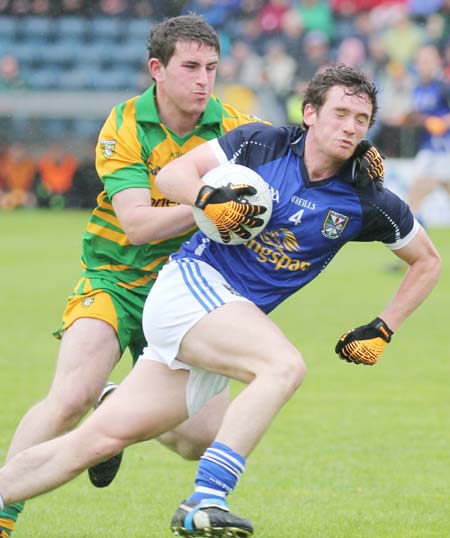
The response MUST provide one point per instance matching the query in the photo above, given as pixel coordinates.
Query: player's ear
(309, 115)
(156, 69)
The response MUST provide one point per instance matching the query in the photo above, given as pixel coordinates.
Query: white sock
(2, 504)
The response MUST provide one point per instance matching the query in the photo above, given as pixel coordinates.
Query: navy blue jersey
(310, 222)
(433, 99)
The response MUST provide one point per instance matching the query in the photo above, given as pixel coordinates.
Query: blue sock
(218, 472)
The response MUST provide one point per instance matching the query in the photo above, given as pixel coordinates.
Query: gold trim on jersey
(139, 282)
(102, 214)
(106, 233)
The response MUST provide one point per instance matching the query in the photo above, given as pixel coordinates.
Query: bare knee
(191, 438)
(185, 445)
(69, 408)
(287, 372)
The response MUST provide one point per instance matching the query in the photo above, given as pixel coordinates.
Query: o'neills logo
(274, 248)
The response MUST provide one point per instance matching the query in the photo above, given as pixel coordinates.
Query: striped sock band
(218, 472)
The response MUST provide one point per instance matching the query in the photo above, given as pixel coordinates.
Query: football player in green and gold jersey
(128, 239)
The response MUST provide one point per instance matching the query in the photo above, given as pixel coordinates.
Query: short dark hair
(355, 82)
(165, 35)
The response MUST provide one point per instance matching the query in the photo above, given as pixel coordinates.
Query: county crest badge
(108, 148)
(87, 302)
(334, 225)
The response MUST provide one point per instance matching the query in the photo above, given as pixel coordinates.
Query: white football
(236, 174)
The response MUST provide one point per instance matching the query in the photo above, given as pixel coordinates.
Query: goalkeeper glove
(365, 344)
(228, 211)
(368, 165)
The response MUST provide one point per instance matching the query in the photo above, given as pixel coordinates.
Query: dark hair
(354, 81)
(165, 35)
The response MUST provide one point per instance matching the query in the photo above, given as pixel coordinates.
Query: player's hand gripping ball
(234, 206)
(365, 344)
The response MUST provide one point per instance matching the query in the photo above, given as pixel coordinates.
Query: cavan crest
(334, 225)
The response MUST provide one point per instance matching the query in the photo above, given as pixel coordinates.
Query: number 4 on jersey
(296, 218)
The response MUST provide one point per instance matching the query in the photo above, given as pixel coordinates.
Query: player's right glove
(368, 165)
(228, 210)
(365, 344)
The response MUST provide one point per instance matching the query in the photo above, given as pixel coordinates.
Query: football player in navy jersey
(206, 318)
(431, 113)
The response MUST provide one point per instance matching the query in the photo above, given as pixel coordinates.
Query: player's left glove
(365, 344)
(368, 165)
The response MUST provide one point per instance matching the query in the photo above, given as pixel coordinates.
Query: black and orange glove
(227, 208)
(365, 344)
(368, 165)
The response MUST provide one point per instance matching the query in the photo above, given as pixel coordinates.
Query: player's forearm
(150, 224)
(417, 284)
(180, 181)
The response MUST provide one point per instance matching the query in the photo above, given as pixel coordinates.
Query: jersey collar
(298, 147)
(146, 110)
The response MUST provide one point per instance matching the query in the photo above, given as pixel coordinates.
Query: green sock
(8, 517)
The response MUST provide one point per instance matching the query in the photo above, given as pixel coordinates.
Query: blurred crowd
(54, 178)
(270, 50)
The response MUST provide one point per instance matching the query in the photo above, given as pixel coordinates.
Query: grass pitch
(359, 452)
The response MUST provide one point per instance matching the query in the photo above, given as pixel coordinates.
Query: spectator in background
(377, 58)
(230, 90)
(280, 68)
(40, 8)
(142, 9)
(349, 8)
(18, 171)
(395, 104)
(294, 103)
(360, 26)
(351, 52)
(56, 170)
(86, 186)
(74, 8)
(10, 76)
(215, 13)
(270, 16)
(401, 35)
(248, 65)
(431, 112)
(446, 60)
(20, 8)
(315, 55)
(316, 15)
(420, 9)
(435, 30)
(113, 8)
(292, 33)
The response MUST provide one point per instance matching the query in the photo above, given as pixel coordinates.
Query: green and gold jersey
(133, 146)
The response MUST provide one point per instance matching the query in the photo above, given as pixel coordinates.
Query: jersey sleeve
(119, 160)
(251, 145)
(386, 218)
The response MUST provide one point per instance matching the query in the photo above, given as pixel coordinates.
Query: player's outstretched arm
(365, 344)
(143, 223)
(180, 180)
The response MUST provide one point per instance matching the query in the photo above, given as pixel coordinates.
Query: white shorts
(433, 164)
(184, 292)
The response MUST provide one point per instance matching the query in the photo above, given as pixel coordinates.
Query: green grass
(357, 453)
